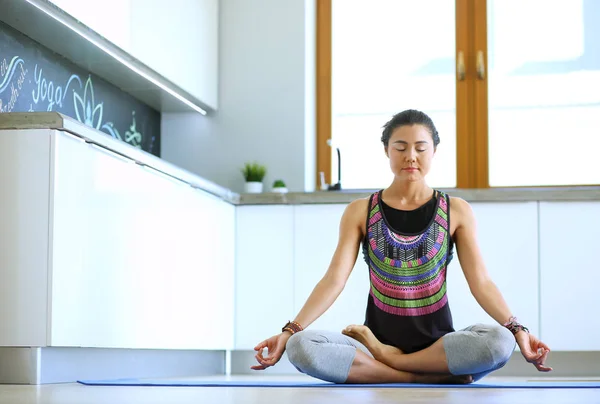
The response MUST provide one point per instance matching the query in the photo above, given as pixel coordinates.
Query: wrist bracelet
(292, 327)
(514, 326)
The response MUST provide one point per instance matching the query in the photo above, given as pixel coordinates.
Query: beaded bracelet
(514, 327)
(292, 327)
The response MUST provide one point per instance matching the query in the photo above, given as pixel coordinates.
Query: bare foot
(443, 379)
(364, 335)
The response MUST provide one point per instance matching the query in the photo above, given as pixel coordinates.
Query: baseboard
(564, 364)
(19, 365)
(63, 365)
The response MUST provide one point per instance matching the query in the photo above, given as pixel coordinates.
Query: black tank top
(407, 253)
(413, 221)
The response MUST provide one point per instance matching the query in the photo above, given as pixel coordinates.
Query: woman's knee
(299, 349)
(501, 343)
(480, 348)
(321, 354)
(294, 347)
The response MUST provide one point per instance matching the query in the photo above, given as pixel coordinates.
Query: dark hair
(409, 117)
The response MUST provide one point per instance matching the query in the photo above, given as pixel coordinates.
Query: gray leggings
(476, 350)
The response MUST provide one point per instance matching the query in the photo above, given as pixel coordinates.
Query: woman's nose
(411, 155)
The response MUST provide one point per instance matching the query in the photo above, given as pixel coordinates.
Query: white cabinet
(139, 259)
(178, 39)
(264, 283)
(316, 232)
(508, 239)
(570, 275)
(24, 196)
(109, 18)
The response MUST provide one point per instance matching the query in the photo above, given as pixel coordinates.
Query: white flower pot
(254, 187)
(280, 190)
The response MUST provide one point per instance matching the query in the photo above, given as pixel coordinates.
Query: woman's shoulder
(356, 212)
(359, 206)
(362, 204)
(460, 209)
(458, 203)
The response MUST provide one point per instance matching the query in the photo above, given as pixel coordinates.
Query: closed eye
(419, 150)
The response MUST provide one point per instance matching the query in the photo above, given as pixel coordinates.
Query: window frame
(472, 160)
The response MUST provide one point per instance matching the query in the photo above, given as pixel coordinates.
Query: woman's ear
(385, 149)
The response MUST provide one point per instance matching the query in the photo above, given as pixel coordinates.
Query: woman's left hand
(534, 351)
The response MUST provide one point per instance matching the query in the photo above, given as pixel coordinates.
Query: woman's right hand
(275, 345)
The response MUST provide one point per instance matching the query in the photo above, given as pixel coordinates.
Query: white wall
(266, 61)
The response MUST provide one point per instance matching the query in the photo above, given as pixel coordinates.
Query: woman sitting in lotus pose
(408, 232)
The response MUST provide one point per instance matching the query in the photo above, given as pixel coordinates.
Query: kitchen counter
(54, 120)
(472, 195)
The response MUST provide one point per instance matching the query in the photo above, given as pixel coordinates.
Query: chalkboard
(33, 78)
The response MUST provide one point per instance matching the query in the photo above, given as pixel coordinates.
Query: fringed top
(407, 253)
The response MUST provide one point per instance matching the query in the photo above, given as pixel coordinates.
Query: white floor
(73, 393)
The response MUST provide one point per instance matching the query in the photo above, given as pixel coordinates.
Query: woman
(408, 232)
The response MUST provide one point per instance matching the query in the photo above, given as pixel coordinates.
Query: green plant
(254, 172)
(279, 184)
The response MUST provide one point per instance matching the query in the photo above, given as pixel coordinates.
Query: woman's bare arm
(484, 289)
(480, 283)
(333, 282)
(329, 287)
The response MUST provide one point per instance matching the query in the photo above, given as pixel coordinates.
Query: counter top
(55, 120)
(471, 195)
(58, 121)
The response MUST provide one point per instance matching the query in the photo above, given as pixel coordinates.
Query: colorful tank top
(407, 305)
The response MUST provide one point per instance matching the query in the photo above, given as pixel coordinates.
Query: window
(379, 57)
(544, 92)
(383, 61)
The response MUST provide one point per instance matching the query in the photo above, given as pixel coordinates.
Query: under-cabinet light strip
(45, 9)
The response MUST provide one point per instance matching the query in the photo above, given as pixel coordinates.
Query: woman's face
(410, 151)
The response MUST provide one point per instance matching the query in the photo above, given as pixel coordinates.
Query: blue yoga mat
(297, 384)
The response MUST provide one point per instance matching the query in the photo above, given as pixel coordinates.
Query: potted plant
(254, 174)
(279, 186)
